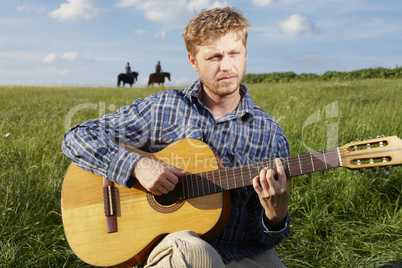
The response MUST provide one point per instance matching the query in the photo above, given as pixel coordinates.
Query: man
(128, 69)
(158, 68)
(218, 110)
(158, 71)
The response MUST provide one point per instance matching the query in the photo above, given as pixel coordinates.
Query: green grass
(338, 218)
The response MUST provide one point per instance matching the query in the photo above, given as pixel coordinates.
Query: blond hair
(209, 25)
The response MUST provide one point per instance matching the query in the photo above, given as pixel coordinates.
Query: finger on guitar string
(167, 184)
(157, 192)
(155, 175)
(280, 180)
(264, 174)
(271, 182)
(172, 175)
(160, 190)
(165, 190)
(259, 182)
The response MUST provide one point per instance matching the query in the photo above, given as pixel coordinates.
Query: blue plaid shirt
(244, 136)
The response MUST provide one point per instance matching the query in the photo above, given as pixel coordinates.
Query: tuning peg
(386, 169)
(361, 170)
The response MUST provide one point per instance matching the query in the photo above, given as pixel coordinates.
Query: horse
(158, 78)
(125, 78)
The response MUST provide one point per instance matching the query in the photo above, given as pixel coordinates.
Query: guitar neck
(219, 180)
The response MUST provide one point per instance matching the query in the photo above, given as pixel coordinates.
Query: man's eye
(217, 57)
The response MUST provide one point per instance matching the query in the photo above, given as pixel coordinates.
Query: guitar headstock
(372, 153)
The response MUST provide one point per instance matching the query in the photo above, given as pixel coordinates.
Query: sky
(89, 42)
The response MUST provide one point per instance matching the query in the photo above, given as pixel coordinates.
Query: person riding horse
(158, 70)
(128, 69)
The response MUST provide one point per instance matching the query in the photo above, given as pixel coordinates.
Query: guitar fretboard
(219, 180)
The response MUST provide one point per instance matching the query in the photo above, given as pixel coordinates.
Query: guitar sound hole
(168, 199)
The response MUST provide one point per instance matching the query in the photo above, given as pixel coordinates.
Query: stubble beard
(224, 89)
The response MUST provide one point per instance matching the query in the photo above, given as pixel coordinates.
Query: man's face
(221, 65)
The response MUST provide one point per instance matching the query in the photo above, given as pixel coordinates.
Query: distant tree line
(279, 77)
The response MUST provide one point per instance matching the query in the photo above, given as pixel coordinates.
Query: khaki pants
(185, 249)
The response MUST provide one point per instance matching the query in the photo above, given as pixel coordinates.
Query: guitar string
(317, 161)
(271, 163)
(237, 177)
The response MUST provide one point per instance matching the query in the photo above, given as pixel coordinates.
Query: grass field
(338, 218)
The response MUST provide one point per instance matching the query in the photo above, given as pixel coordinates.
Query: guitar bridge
(109, 204)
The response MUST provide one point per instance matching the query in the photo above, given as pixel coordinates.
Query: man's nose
(226, 63)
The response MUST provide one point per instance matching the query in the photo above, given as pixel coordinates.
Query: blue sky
(88, 42)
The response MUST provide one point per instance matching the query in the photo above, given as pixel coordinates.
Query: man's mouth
(226, 77)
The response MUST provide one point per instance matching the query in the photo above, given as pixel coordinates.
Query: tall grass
(338, 218)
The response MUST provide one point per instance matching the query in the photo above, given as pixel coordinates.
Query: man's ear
(192, 61)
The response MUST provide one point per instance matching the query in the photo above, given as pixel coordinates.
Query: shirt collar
(194, 90)
(245, 106)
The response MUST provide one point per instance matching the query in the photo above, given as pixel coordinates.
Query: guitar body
(141, 221)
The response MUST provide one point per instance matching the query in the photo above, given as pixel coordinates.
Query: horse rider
(128, 69)
(158, 70)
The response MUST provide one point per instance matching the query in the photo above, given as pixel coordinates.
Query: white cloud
(70, 56)
(262, 3)
(49, 58)
(213, 5)
(297, 25)
(26, 9)
(168, 11)
(23, 9)
(161, 34)
(77, 9)
(67, 56)
(140, 31)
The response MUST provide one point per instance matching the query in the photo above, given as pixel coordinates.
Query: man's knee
(186, 249)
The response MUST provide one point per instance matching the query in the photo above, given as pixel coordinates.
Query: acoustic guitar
(110, 225)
